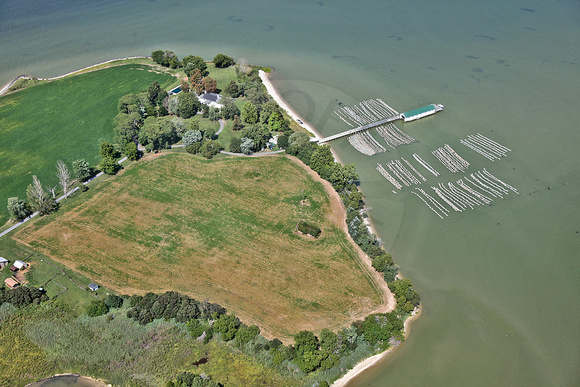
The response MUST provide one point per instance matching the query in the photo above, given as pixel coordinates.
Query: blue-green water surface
(499, 284)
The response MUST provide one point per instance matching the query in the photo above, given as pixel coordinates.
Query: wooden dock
(359, 129)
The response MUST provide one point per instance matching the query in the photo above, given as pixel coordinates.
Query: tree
(321, 158)
(210, 148)
(297, 142)
(109, 165)
(209, 133)
(232, 89)
(282, 142)
(81, 169)
(223, 61)
(229, 109)
(97, 308)
(17, 209)
(192, 136)
(157, 56)
(188, 105)
(131, 151)
(107, 150)
(154, 92)
(128, 103)
(184, 84)
(247, 145)
(259, 134)
(243, 66)
(114, 301)
(196, 79)
(227, 325)
(38, 198)
(246, 334)
(126, 127)
(192, 62)
(64, 178)
(235, 145)
(250, 113)
(209, 85)
(267, 109)
(237, 123)
(157, 133)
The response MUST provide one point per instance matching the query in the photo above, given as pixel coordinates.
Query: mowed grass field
(65, 119)
(222, 230)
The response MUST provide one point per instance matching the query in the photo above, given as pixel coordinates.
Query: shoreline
(88, 378)
(372, 361)
(290, 111)
(7, 86)
(363, 365)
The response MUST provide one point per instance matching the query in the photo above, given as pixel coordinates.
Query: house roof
(93, 286)
(210, 97)
(11, 283)
(2, 260)
(19, 264)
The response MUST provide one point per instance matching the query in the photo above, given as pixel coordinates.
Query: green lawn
(65, 119)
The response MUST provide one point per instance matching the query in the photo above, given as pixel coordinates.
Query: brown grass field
(222, 230)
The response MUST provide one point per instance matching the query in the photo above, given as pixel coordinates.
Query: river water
(499, 284)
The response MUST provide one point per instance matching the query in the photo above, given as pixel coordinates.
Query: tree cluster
(149, 307)
(223, 61)
(22, 296)
(407, 298)
(189, 379)
(166, 58)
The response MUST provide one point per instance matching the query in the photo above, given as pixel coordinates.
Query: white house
(20, 265)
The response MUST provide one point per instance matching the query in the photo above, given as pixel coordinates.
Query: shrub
(193, 148)
(309, 229)
(97, 308)
(113, 301)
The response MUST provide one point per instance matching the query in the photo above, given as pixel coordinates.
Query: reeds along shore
(367, 112)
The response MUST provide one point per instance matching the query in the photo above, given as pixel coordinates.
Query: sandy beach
(373, 360)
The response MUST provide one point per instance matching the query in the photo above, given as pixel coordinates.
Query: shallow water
(499, 284)
(68, 381)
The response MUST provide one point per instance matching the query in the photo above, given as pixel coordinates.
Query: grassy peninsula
(272, 289)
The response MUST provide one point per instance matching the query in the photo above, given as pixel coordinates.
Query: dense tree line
(205, 321)
(22, 296)
(149, 307)
(189, 379)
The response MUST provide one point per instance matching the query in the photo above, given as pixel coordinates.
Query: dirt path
(338, 217)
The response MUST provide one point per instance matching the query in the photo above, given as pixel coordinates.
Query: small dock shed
(424, 111)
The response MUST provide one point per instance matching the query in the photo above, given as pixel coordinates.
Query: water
(68, 381)
(499, 284)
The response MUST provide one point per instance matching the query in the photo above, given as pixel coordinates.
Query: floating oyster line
(450, 159)
(367, 112)
(460, 196)
(486, 147)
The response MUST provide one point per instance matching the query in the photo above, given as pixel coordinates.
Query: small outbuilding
(3, 262)
(13, 269)
(20, 265)
(93, 286)
(11, 283)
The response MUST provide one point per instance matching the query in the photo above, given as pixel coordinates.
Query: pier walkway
(407, 116)
(359, 129)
